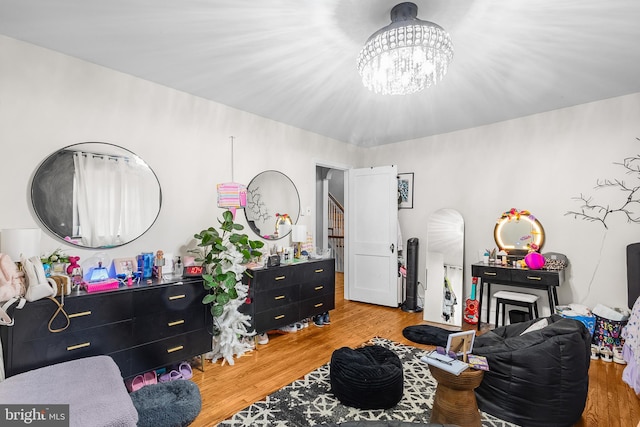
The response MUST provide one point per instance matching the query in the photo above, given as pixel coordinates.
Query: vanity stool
(520, 299)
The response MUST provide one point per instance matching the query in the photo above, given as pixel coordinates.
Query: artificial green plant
(224, 253)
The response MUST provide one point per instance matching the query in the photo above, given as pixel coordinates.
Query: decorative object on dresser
(142, 327)
(223, 255)
(279, 296)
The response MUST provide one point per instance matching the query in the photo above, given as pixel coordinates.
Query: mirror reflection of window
(114, 197)
(95, 195)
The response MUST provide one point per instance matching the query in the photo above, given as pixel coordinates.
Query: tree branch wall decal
(629, 207)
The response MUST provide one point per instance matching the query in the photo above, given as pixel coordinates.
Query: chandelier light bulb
(406, 56)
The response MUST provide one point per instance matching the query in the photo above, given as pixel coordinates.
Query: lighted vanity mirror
(96, 195)
(517, 232)
(273, 205)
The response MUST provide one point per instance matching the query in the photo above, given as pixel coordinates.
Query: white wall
(49, 100)
(536, 163)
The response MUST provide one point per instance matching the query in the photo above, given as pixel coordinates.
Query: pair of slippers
(181, 372)
(139, 381)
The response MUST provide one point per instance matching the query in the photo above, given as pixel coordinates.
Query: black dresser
(142, 327)
(279, 296)
(547, 280)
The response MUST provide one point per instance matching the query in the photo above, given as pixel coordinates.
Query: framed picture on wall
(405, 190)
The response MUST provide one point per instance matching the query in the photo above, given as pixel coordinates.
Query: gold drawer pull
(175, 297)
(486, 273)
(178, 348)
(280, 277)
(317, 288)
(318, 305)
(320, 270)
(77, 346)
(279, 317)
(176, 323)
(534, 278)
(279, 297)
(81, 314)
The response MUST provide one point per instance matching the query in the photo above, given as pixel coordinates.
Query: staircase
(336, 232)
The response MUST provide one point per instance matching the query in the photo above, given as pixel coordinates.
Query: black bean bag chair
(367, 378)
(538, 379)
(427, 334)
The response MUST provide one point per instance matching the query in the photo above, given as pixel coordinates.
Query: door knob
(392, 247)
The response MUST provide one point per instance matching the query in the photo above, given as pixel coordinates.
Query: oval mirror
(96, 195)
(517, 232)
(273, 205)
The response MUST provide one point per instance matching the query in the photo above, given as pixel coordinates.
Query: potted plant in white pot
(224, 253)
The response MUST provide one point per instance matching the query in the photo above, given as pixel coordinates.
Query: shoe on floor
(606, 354)
(185, 370)
(263, 338)
(325, 318)
(288, 329)
(135, 383)
(595, 352)
(318, 321)
(617, 355)
(150, 378)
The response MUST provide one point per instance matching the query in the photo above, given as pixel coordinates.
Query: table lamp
(298, 236)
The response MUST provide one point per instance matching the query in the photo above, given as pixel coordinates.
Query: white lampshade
(20, 242)
(299, 233)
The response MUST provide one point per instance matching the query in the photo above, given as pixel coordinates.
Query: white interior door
(372, 227)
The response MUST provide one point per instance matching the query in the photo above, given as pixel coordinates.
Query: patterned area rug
(309, 401)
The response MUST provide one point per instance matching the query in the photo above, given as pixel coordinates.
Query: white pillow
(536, 326)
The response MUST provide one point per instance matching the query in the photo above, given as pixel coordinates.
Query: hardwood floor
(227, 389)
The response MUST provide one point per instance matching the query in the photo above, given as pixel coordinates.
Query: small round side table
(455, 399)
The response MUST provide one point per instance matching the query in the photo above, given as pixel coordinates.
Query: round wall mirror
(96, 195)
(273, 205)
(518, 232)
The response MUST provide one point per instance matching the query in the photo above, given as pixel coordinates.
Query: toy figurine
(159, 263)
(73, 264)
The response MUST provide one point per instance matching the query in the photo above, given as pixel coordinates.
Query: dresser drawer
(314, 289)
(535, 277)
(165, 352)
(317, 305)
(62, 347)
(275, 277)
(276, 318)
(158, 326)
(488, 274)
(275, 298)
(320, 271)
(168, 298)
(84, 312)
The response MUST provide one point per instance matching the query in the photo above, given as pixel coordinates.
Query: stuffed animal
(73, 264)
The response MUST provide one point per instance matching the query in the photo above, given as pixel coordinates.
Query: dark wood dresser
(279, 296)
(142, 327)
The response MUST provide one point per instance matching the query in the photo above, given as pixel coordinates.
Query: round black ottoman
(367, 378)
(174, 403)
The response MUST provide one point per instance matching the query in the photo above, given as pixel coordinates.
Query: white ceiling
(294, 61)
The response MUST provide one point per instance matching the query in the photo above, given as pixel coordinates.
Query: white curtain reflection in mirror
(114, 198)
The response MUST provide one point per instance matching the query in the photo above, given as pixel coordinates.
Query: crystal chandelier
(406, 56)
